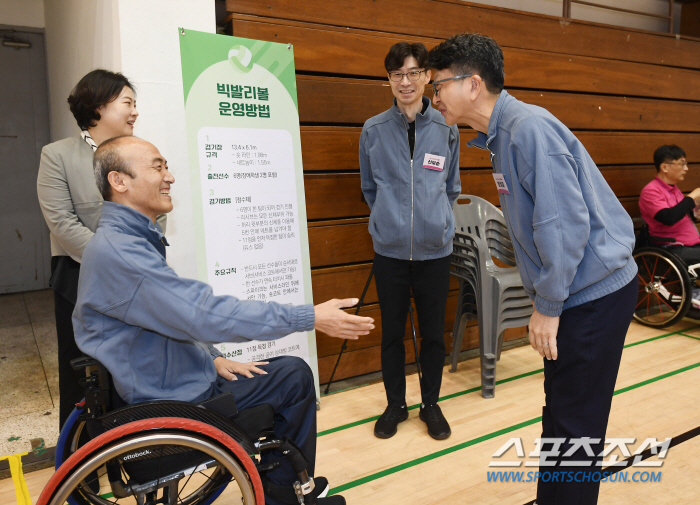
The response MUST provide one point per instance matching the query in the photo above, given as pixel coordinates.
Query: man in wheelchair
(670, 214)
(150, 328)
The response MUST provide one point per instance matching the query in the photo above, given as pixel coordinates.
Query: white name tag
(501, 185)
(434, 162)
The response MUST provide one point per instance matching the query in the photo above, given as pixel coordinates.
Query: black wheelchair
(168, 452)
(666, 282)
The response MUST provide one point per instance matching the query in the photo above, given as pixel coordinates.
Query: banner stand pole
(360, 304)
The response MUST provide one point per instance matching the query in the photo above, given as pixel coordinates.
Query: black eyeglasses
(413, 75)
(437, 91)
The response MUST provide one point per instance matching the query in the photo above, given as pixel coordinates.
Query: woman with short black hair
(104, 106)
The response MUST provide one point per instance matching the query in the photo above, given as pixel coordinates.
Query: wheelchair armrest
(662, 240)
(83, 362)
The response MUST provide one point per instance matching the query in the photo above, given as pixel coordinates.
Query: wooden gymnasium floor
(656, 396)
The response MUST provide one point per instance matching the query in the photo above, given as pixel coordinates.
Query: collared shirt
(656, 196)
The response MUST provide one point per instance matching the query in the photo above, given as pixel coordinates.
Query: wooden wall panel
(323, 100)
(623, 92)
(343, 101)
(359, 362)
(321, 48)
(628, 181)
(339, 244)
(509, 28)
(348, 282)
(330, 196)
(345, 193)
(623, 148)
(601, 112)
(334, 148)
(342, 282)
(327, 346)
(328, 148)
(631, 205)
(368, 360)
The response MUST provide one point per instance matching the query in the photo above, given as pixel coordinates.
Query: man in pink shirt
(664, 208)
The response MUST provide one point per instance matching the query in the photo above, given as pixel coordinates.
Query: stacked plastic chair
(494, 295)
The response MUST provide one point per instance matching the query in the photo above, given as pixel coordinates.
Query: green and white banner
(247, 179)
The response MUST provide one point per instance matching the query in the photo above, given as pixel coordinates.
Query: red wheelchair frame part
(175, 423)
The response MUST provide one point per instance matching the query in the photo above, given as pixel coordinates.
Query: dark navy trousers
(579, 387)
(289, 388)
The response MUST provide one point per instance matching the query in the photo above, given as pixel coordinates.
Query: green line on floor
(655, 379)
(424, 459)
(689, 336)
(474, 441)
(478, 388)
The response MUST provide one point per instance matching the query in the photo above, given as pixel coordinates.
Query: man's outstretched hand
(333, 321)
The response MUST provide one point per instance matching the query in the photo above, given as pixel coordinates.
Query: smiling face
(409, 92)
(118, 116)
(452, 100)
(149, 190)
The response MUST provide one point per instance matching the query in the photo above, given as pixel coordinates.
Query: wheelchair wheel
(664, 294)
(69, 438)
(161, 460)
(74, 435)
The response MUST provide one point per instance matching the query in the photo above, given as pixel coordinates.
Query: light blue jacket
(411, 206)
(149, 326)
(573, 239)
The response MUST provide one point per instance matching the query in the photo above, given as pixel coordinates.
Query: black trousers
(579, 386)
(689, 254)
(69, 390)
(429, 280)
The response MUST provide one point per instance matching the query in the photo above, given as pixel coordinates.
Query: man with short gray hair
(148, 326)
(573, 244)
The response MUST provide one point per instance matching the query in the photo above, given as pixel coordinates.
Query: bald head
(112, 156)
(132, 172)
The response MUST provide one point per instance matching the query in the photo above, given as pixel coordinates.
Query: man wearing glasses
(573, 244)
(409, 165)
(667, 212)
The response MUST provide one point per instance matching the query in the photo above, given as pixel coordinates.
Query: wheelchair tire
(664, 295)
(139, 441)
(68, 438)
(74, 435)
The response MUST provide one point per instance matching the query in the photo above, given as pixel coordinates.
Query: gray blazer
(68, 196)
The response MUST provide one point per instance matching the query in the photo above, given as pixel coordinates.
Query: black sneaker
(336, 499)
(437, 424)
(318, 495)
(286, 494)
(389, 420)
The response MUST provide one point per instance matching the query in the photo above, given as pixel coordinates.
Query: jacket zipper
(410, 255)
